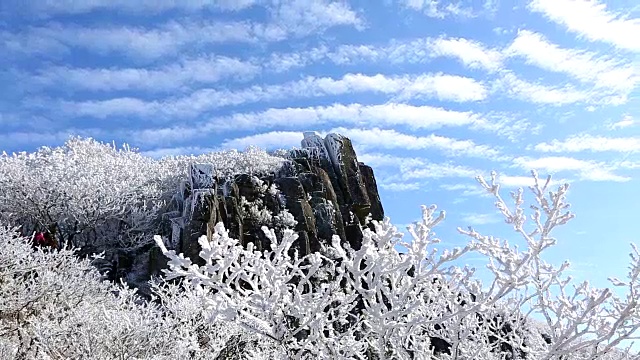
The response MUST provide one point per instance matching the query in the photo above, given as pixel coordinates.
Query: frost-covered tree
(92, 194)
(55, 306)
(378, 302)
(85, 192)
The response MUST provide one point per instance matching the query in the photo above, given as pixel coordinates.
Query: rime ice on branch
(378, 302)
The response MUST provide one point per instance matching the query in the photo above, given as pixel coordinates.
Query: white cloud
(318, 117)
(465, 189)
(204, 70)
(204, 100)
(552, 164)
(591, 143)
(434, 9)
(286, 19)
(304, 17)
(386, 160)
(470, 53)
(445, 87)
(427, 170)
(125, 106)
(586, 169)
(412, 168)
(626, 121)
(144, 43)
(46, 8)
(411, 173)
(282, 62)
(35, 41)
(389, 114)
(525, 181)
(582, 65)
(391, 139)
(539, 94)
(398, 187)
(591, 19)
(628, 164)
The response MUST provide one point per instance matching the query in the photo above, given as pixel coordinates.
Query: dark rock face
(321, 191)
(322, 187)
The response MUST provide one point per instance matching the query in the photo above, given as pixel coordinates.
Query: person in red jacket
(44, 240)
(38, 239)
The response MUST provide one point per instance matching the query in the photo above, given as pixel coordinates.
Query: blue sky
(431, 93)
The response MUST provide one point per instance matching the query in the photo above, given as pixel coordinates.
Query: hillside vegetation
(394, 297)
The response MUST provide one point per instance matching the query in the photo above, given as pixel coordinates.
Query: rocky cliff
(320, 191)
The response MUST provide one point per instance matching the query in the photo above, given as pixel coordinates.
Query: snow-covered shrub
(227, 163)
(55, 306)
(85, 192)
(378, 302)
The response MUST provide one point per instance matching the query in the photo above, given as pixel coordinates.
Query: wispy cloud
(185, 72)
(45, 8)
(601, 71)
(325, 117)
(428, 170)
(317, 117)
(399, 173)
(512, 181)
(460, 189)
(435, 9)
(470, 53)
(455, 88)
(585, 169)
(414, 168)
(626, 121)
(195, 70)
(398, 187)
(389, 114)
(585, 142)
(387, 160)
(392, 139)
(592, 20)
(445, 87)
(138, 42)
(286, 19)
(537, 93)
(368, 139)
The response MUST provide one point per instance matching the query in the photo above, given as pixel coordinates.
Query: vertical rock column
(299, 207)
(357, 204)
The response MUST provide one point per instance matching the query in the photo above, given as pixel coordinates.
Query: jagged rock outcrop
(321, 187)
(320, 191)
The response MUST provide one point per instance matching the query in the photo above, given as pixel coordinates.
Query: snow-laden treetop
(84, 183)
